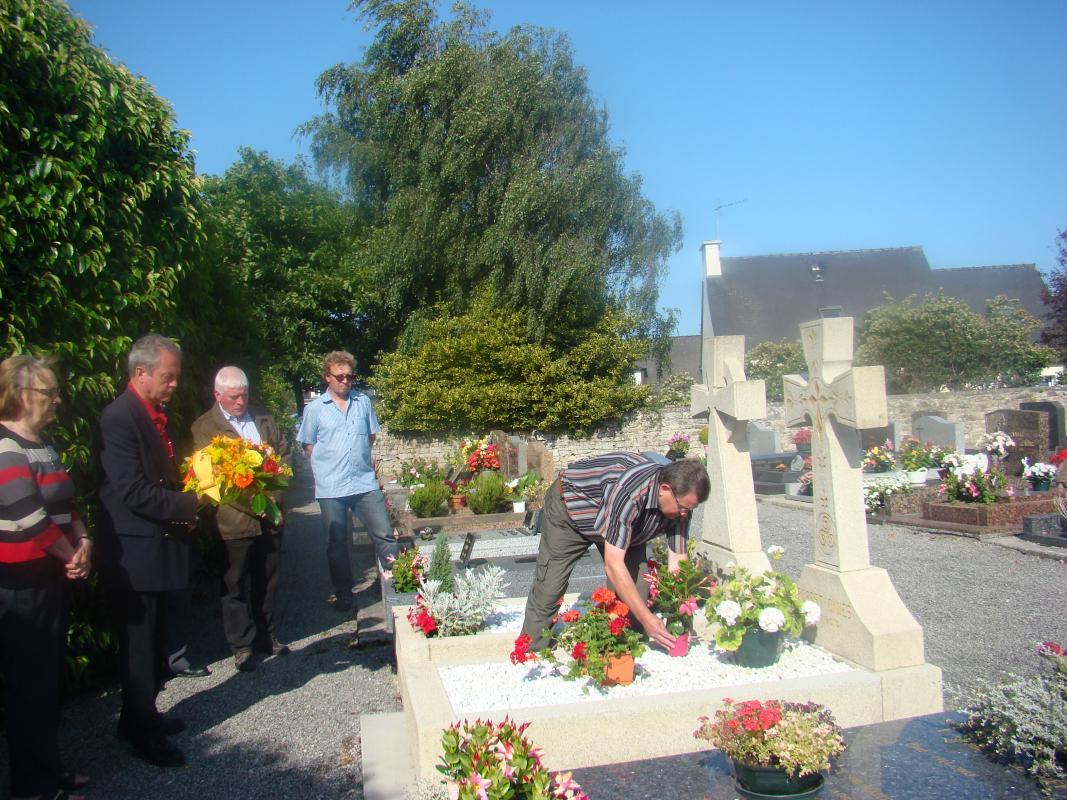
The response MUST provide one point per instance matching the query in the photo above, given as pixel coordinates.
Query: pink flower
(689, 607)
(653, 592)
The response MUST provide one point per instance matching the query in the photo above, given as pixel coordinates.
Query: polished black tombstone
(912, 759)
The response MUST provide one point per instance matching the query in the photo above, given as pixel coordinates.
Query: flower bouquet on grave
(995, 444)
(972, 484)
(807, 484)
(677, 446)
(802, 439)
(495, 759)
(760, 608)
(1040, 474)
(880, 458)
(238, 472)
(776, 748)
(406, 569)
(676, 596)
(479, 454)
(462, 611)
(418, 472)
(599, 640)
(914, 455)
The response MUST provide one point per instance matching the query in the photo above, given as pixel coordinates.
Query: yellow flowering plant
(237, 471)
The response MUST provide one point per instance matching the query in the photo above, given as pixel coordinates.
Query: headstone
(926, 412)
(878, 436)
(539, 458)
(519, 445)
(939, 431)
(509, 456)
(731, 526)
(1029, 430)
(1057, 436)
(863, 618)
(762, 440)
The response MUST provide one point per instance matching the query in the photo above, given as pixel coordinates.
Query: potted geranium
(777, 749)
(755, 611)
(676, 596)
(599, 640)
(407, 569)
(880, 458)
(1040, 474)
(914, 458)
(677, 446)
(802, 440)
(495, 759)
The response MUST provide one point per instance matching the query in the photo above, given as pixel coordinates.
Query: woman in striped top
(43, 542)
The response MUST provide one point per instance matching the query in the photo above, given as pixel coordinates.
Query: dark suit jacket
(139, 500)
(235, 522)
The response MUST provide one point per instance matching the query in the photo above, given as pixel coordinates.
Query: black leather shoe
(273, 647)
(244, 660)
(168, 726)
(191, 672)
(159, 752)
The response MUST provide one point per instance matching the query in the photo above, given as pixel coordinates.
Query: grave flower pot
(916, 477)
(758, 648)
(457, 501)
(759, 782)
(620, 670)
(680, 647)
(804, 448)
(1041, 485)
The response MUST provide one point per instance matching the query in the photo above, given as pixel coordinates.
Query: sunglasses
(344, 377)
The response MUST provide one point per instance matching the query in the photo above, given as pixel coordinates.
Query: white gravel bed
(501, 686)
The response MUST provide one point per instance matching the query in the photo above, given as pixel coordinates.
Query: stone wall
(649, 431)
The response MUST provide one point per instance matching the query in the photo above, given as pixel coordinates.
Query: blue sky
(821, 125)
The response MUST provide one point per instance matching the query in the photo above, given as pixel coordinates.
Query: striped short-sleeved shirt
(36, 508)
(614, 497)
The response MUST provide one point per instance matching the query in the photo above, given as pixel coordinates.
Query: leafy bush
(462, 611)
(1024, 719)
(407, 569)
(769, 361)
(487, 492)
(429, 499)
(441, 565)
(672, 390)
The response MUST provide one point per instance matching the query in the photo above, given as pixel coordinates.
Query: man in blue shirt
(337, 432)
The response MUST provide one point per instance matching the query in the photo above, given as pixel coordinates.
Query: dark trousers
(560, 550)
(248, 588)
(141, 621)
(33, 638)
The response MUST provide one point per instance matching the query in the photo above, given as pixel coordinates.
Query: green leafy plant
(407, 569)
(495, 759)
(487, 493)
(441, 613)
(880, 458)
(914, 455)
(1025, 719)
(430, 499)
(801, 738)
(677, 596)
(441, 564)
(593, 635)
(768, 601)
(419, 471)
(971, 484)
(769, 361)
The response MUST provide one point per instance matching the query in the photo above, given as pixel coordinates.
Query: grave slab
(939, 431)
(1057, 437)
(1007, 513)
(762, 440)
(1029, 430)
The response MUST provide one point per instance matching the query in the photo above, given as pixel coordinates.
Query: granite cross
(838, 399)
(731, 528)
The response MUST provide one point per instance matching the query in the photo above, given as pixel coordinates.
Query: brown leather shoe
(272, 647)
(244, 660)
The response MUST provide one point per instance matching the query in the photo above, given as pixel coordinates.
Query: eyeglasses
(682, 509)
(344, 377)
(51, 394)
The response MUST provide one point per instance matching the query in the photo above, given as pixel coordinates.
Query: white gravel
(504, 686)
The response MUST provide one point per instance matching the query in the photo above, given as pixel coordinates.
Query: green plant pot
(1041, 485)
(758, 648)
(759, 782)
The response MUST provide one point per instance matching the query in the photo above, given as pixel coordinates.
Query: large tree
(483, 161)
(287, 249)
(1055, 297)
(939, 342)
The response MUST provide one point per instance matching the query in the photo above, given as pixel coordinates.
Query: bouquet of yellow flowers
(231, 470)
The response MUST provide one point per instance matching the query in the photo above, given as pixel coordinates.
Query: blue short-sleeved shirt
(341, 460)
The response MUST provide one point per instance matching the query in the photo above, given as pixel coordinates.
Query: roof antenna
(719, 208)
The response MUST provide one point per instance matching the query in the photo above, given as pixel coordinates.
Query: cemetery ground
(292, 728)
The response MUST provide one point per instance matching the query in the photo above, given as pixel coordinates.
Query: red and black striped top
(36, 508)
(615, 497)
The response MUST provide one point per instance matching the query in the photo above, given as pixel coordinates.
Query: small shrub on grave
(1025, 719)
(487, 493)
(441, 564)
(430, 499)
(419, 471)
(440, 613)
(407, 569)
(978, 486)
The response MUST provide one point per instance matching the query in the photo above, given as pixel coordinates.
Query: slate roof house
(767, 297)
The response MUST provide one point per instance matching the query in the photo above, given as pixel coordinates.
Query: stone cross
(731, 528)
(863, 617)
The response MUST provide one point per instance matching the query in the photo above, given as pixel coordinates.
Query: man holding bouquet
(252, 541)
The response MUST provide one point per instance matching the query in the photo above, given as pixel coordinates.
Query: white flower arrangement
(876, 491)
(729, 610)
(996, 443)
(811, 611)
(771, 620)
(776, 551)
(1039, 471)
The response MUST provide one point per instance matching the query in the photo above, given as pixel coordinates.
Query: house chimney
(712, 267)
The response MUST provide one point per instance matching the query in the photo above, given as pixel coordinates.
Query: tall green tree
(1054, 333)
(288, 249)
(483, 161)
(98, 220)
(940, 342)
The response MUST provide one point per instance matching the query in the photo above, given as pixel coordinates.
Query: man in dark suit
(253, 544)
(144, 525)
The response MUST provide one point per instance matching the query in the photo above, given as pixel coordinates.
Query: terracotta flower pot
(620, 670)
(681, 646)
(457, 501)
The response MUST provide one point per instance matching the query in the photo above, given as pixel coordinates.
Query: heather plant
(441, 564)
(429, 499)
(1025, 718)
(487, 493)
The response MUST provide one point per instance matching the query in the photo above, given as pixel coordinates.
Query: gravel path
(291, 729)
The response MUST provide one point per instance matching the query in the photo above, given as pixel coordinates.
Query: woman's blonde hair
(16, 374)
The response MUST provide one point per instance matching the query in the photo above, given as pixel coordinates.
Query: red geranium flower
(570, 616)
(521, 654)
(619, 609)
(603, 596)
(579, 652)
(618, 625)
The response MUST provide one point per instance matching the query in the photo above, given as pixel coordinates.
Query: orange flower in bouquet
(237, 471)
